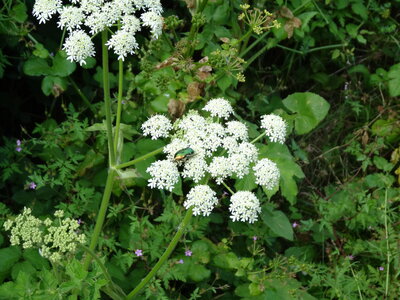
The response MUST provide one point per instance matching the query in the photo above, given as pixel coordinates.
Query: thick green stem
(101, 216)
(253, 44)
(387, 247)
(228, 188)
(107, 100)
(119, 107)
(164, 257)
(135, 161)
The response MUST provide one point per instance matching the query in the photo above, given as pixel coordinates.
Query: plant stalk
(119, 105)
(165, 256)
(135, 161)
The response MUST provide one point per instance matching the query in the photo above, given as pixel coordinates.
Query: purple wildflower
(350, 257)
(79, 221)
(180, 261)
(18, 149)
(188, 253)
(295, 224)
(139, 252)
(32, 185)
(381, 268)
(255, 238)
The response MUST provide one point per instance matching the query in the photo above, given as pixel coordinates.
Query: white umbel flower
(244, 207)
(195, 168)
(79, 46)
(157, 126)
(267, 173)
(43, 10)
(275, 127)
(154, 21)
(237, 130)
(202, 198)
(164, 174)
(90, 6)
(71, 17)
(130, 23)
(220, 168)
(123, 43)
(219, 107)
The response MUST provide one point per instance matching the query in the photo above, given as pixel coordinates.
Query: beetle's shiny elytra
(183, 154)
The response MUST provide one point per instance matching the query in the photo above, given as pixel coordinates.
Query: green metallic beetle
(183, 154)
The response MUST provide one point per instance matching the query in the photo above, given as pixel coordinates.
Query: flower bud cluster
(213, 147)
(94, 16)
(54, 238)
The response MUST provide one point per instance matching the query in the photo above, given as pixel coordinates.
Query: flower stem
(228, 188)
(135, 161)
(119, 107)
(387, 247)
(101, 216)
(81, 94)
(107, 101)
(165, 256)
(258, 138)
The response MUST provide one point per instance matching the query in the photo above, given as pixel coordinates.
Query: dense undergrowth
(330, 230)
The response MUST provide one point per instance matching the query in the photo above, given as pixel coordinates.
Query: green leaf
(382, 164)
(360, 9)
(22, 266)
(36, 66)
(224, 82)
(198, 272)
(90, 63)
(40, 51)
(32, 255)
(394, 80)
(8, 257)
(310, 109)
(247, 183)
(160, 103)
(227, 261)
(222, 13)
(200, 251)
(54, 85)
(277, 222)
(75, 270)
(18, 13)
(61, 66)
(281, 155)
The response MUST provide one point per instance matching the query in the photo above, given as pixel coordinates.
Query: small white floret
(79, 46)
(244, 207)
(267, 173)
(164, 175)
(275, 127)
(157, 126)
(219, 107)
(203, 200)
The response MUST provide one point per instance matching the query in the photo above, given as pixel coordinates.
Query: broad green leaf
(61, 66)
(360, 9)
(75, 270)
(40, 51)
(36, 66)
(160, 103)
(394, 80)
(224, 82)
(23, 266)
(32, 255)
(90, 63)
(222, 13)
(247, 183)
(54, 85)
(8, 257)
(198, 272)
(281, 155)
(227, 261)
(310, 109)
(200, 251)
(18, 12)
(277, 222)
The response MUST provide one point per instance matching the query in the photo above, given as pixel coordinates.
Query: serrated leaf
(247, 183)
(310, 109)
(277, 222)
(281, 155)
(394, 80)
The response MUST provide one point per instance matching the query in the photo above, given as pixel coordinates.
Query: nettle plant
(207, 148)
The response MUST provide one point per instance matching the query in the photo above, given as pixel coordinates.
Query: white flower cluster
(96, 16)
(53, 238)
(203, 148)
(275, 127)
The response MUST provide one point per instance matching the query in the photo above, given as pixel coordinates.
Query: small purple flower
(123, 101)
(18, 143)
(32, 185)
(255, 238)
(188, 253)
(295, 224)
(350, 257)
(381, 268)
(180, 261)
(139, 252)
(18, 149)
(79, 221)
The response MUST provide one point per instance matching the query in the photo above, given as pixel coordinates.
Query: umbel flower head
(54, 238)
(215, 148)
(81, 17)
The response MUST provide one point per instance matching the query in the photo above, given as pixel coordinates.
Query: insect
(183, 154)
